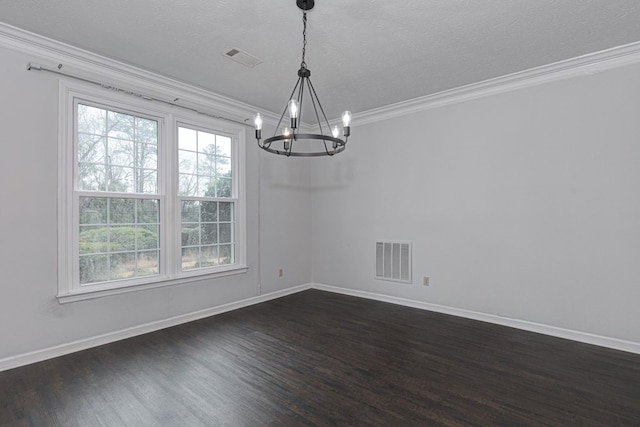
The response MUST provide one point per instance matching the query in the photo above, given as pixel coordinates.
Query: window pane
(120, 180)
(209, 256)
(226, 254)
(187, 139)
(146, 130)
(120, 152)
(190, 235)
(92, 239)
(190, 211)
(223, 187)
(120, 125)
(147, 181)
(148, 237)
(148, 263)
(223, 167)
(122, 266)
(116, 152)
(188, 161)
(148, 156)
(91, 120)
(148, 212)
(206, 164)
(205, 160)
(187, 185)
(190, 258)
(94, 268)
(209, 233)
(93, 210)
(92, 177)
(206, 186)
(223, 143)
(122, 211)
(119, 229)
(209, 211)
(206, 142)
(122, 238)
(91, 149)
(225, 233)
(226, 211)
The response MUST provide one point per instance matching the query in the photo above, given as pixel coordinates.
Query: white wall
(524, 204)
(31, 319)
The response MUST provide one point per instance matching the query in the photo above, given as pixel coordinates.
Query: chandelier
(286, 140)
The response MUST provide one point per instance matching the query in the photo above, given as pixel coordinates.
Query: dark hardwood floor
(316, 358)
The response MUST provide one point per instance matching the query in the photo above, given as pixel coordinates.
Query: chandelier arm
(326, 149)
(315, 109)
(300, 96)
(320, 105)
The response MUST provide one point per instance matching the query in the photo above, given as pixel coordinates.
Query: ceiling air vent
(242, 57)
(393, 261)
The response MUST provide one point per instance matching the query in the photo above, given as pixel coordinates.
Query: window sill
(85, 294)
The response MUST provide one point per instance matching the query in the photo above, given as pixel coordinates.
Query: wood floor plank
(321, 359)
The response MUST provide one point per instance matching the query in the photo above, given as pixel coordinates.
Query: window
(149, 197)
(116, 194)
(205, 191)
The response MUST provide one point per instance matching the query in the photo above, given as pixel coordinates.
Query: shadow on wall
(332, 173)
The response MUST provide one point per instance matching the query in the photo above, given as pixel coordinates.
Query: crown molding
(588, 64)
(84, 64)
(93, 66)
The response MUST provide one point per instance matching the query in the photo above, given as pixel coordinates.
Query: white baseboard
(60, 350)
(602, 341)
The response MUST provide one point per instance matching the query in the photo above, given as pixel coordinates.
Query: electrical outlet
(425, 281)
(281, 272)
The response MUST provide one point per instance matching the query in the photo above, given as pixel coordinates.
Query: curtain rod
(39, 67)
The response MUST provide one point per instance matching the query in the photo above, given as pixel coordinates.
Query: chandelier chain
(303, 64)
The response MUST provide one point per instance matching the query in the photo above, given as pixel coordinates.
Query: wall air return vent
(242, 57)
(393, 261)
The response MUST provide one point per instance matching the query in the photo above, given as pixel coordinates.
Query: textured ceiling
(363, 54)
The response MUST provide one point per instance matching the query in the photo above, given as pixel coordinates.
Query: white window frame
(235, 189)
(168, 118)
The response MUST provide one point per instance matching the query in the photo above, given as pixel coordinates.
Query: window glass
(205, 175)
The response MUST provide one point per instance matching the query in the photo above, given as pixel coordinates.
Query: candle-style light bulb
(335, 132)
(346, 119)
(294, 112)
(346, 123)
(257, 121)
(287, 141)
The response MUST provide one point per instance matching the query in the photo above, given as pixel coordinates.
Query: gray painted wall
(524, 204)
(31, 318)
